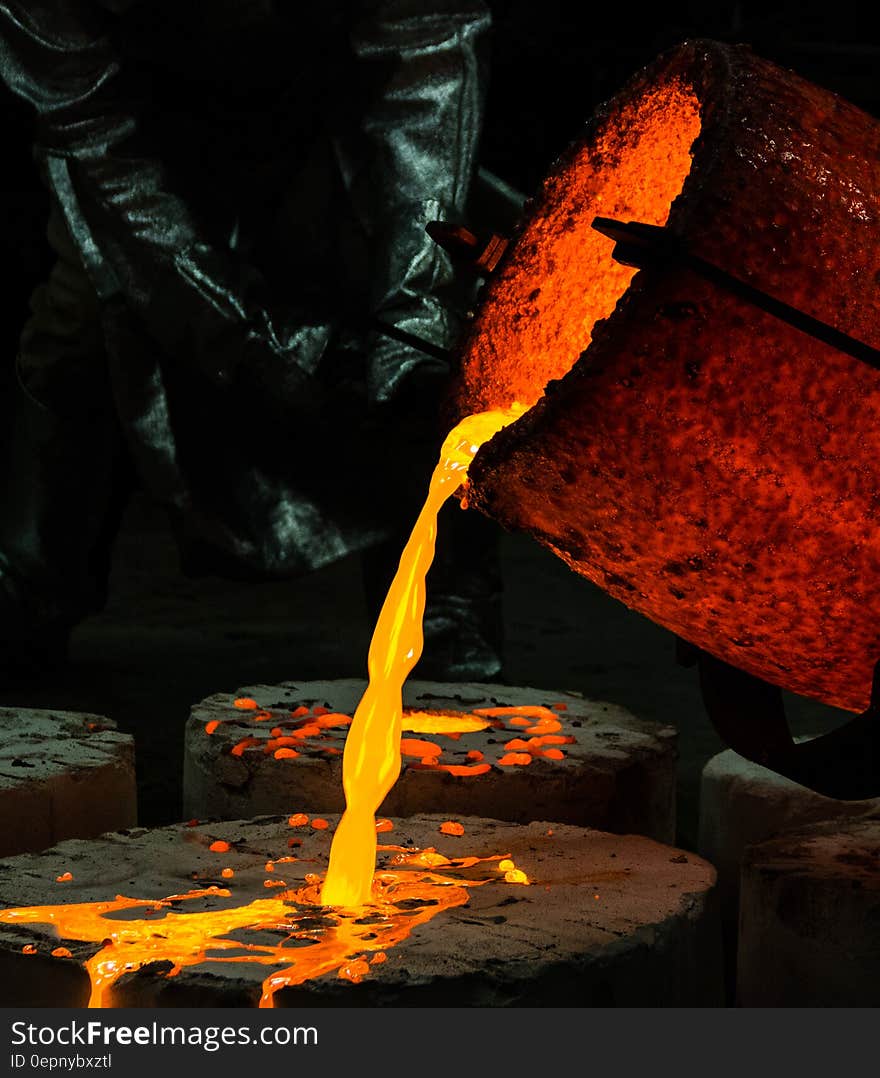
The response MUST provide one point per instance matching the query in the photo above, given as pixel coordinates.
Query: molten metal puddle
(311, 939)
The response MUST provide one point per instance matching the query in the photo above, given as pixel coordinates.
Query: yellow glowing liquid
(371, 762)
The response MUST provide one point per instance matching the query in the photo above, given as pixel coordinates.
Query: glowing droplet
(227, 873)
(545, 726)
(245, 743)
(298, 819)
(466, 770)
(355, 971)
(411, 746)
(451, 827)
(515, 759)
(61, 952)
(245, 703)
(219, 846)
(319, 824)
(211, 726)
(65, 877)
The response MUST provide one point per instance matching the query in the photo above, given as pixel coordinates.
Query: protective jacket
(243, 185)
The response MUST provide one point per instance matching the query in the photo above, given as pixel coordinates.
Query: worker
(238, 191)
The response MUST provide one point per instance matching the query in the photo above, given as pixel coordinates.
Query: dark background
(165, 642)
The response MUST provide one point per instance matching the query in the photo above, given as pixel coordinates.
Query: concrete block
(605, 920)
(809, 931)
(62, 775)
(742, 803)
(576, 761)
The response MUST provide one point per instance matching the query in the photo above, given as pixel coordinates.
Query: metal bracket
(654, 247)
(463, 246)
(749, 716)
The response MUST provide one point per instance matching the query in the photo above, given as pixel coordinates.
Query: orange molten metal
(166, 930)
(699, 459)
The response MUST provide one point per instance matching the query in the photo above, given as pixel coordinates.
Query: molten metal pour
(371, 762)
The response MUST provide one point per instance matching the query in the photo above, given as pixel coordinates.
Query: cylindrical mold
(62, 775)
(701, 460)
(608, 921)
(809, 909)
(585, 762)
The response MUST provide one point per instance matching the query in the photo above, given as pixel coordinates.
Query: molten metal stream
(371, 762)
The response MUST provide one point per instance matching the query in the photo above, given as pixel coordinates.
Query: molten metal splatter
(451, 827)
(309, 731)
